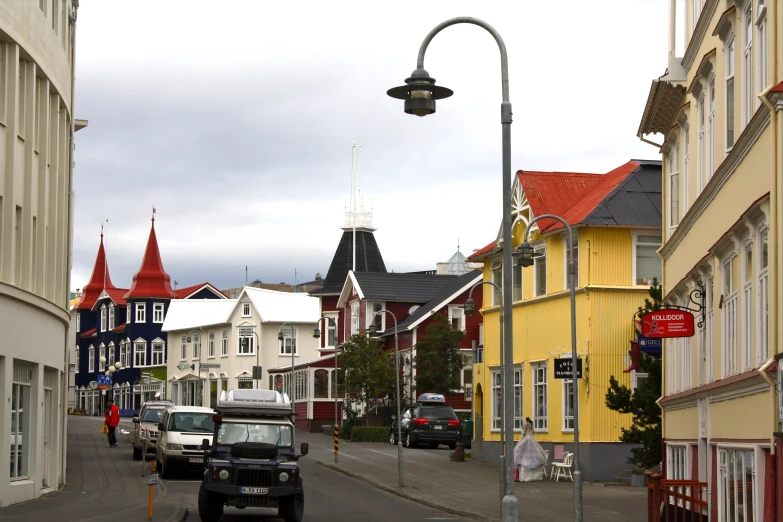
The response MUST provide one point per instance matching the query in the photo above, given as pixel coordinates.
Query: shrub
(370, 434)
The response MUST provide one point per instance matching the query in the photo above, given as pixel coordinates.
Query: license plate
(438, 427)
(196, 459)
(253, 491)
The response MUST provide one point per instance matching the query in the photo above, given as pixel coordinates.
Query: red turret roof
(100, 279)
(151, 280)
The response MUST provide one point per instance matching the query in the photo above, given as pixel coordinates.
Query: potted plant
(638, 477)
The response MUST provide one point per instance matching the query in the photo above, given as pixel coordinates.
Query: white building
(214, 344)
(36, 223)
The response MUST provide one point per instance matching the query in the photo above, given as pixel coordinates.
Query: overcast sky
(236, 119)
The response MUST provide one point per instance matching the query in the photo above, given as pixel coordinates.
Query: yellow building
(616, 222)
(718, 110)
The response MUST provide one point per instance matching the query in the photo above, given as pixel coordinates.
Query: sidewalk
(103, 483)
(472, 489)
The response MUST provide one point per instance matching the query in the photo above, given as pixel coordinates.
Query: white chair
(563, 469)
(546, 461)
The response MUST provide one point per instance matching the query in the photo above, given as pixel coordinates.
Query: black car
(429, 421)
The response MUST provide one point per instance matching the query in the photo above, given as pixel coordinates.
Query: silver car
(145, 430)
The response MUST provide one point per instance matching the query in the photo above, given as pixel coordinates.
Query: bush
(370, 434)
(345, 432)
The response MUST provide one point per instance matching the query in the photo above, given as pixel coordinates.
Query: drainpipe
(763, 372)
(648, 141)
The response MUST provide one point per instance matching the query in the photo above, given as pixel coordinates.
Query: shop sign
(668, 323)
(564, 368)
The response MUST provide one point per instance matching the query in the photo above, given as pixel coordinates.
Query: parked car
(181, 433)
(145, 428)
(429, 421)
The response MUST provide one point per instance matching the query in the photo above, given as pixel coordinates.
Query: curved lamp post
(526, 256)
(373, 330)
(317, 334)
(281, 337)
(420, 93)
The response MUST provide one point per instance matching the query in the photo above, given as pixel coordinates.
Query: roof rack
(253, 402)
(431, 398)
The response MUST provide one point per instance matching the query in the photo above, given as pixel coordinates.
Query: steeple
(151, 280)
(100, 279)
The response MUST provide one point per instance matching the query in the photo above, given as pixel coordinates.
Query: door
(47, 436)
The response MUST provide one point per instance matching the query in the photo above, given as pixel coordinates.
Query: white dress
(530, 459)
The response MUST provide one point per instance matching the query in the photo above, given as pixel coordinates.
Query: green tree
(646, 426)
(438, 359)
(369, 373)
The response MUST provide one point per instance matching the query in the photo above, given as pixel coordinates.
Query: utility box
(467, 433)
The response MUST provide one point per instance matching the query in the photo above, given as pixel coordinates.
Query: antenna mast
(353, 202)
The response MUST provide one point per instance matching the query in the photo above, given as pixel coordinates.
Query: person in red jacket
(112, 416)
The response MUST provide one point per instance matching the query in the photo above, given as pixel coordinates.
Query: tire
(392, 439)
(210, 505)
(434, 445)
(409, 443)
(254, 450)
(291, 509)
(136, 453)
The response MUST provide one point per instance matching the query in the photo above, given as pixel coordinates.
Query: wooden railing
(676, 500)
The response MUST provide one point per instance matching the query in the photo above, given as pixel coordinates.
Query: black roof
(447, 291)
(635, 202)
(368, 259)
(402, 287)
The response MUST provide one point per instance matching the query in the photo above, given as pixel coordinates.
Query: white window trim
(748, 302)
(76, 360)
(758, 465)
(162, 343)
(241, 334)
(762, 48)
(141, 313)
(459, 311)
(495, 376)
(729, 341)
(748, 74)
(710, 127)
(678, 454)
(730, 74)
(158, 307)
(224, 343)
(685, 172)
(762, 299)
(91, 360)
(246, 306)
(369, 310)
(136, 350)
(103, 318)
(701, 162)
(673, 167)
(78, 322)
(355, 317)
(101, 353)
(635, 235)
(128, 311)
(287, 335)
(330, 324)
(564, 398)
(540, 256)
(567, 259)
(211, 345)
(496, 270)
(183, 348)
(540, 423)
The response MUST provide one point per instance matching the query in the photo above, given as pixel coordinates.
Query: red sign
(667, 323)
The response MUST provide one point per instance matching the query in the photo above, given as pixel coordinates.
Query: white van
(181, 433)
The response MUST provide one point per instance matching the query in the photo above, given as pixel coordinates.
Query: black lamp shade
(420, 93)
(316, 333)
(373, 330)
(280, 336)
(525, 254)
(470, 307)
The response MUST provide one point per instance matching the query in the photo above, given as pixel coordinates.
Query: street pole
(420, 94)
(258, 350)
(335, 428)
(526, 251)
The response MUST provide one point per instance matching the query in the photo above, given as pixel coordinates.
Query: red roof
(151, 280)
(481, 251)
(120, 328)
(99, 280)
(116, 295)
(89, 333)
(777, 88)
(569, 195)
(182, 293)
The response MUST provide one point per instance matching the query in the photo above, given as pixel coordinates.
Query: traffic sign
(152, 479)
(210, 365)
(104, 382)
(564, 368)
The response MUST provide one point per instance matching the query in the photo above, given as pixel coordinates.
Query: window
(157, 353)
(245, 309)
(321, 384)
(54, 15)
(337, 386)
(331, 329)
(211, 345)
(111, 360)
(22, 105)
(457, 317)
(701, 160)
(103, 318)
(183, 348)
(76, 361)
(730, 94)
(196, 346)
(157, 312)
(516, 282)
(101, 357)
(711, 129)
(289, 342)
(686, 161)
(246, 346)
(540, 412)
(748, 94)
(78, 322)
(539, 267)
(647, 264)
(638, 379)
(42, 6)
(729, 317)
(677, 462)
(567, 259)
(747, 307)
(497, 401)
(736, 485)
(224, 344)
(762, 317)
(380, 319)
(111, 317)
(20, 420)
(518, 411)
(354, 317)
(140, 353)
(709, 339)
(568, 405)
(497, 279)
(674, 188)
(91, 359)
(141, 312)
(128, 313)
(761, 45)
(123, 361)
(245, 383)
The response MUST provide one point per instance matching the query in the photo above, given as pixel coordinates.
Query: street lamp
(317, 334)
(293, 346)
(374, 330)
(526, 256)
(420, 94)
(470, 309)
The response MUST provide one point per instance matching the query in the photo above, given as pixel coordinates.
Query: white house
(214, 344)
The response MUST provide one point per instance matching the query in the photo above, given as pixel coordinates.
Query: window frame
(748, 92)
(139, 348)
(496, 273)
(158, 312)
(730, 121)
(128, 312)
(281, 345)
(566, 258)
(141, 313)
(748, 301)
(355, 319)
(457, 312)
(678, 462)
(516, 283)
(224, 343)
(496, 380)
(723, 475)
(636, 243)
(78, 322)
(91, 359)
(762, 48)
(539, 261)
(762, 293)
(158, 343)
(686, 163)
(183, 348)
(101, 353)
(675, 205)
(211, 345)
(371, 309)
(729, 319)
(539, 369)
(103, 317)
(565, 407)
(246, 308)
(246, 332)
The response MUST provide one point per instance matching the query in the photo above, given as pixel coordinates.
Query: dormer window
(103, 318)
(457, 317)
(245, 308)
(78, 322)
(111, 317)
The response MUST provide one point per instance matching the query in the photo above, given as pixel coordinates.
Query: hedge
(370, 434)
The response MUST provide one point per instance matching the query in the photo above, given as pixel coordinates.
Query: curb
(404, 494)
(179, 515)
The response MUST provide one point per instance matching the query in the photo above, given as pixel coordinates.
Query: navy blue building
(118, 331)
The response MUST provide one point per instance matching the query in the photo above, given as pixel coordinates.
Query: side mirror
(205, 445)
(161, 427)
(135, 420)
(305, 449)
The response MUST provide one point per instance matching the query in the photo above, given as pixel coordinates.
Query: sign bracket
(696, 297)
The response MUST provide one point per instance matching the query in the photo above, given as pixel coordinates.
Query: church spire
(99, 280)
(151, 280)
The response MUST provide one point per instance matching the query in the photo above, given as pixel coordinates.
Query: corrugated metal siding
(323, 410)
(609, 257)
(610, 334)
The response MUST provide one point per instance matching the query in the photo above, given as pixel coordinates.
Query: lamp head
(112, 369)
(372, 330)
(280, 336)
(102, 359)
(419, 93)
(316, 333)
(525, 254)
(118, 365)
(470, 306)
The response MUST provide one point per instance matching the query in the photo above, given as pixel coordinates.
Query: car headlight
(223, 474)
(283, 477)
(171, 446)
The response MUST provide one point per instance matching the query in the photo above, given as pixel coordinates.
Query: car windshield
(152, 416)
(192, 422)
(231, 432)
(437, 412)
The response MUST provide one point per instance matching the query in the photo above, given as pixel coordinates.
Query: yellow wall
(682, 424)
(745, 417)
